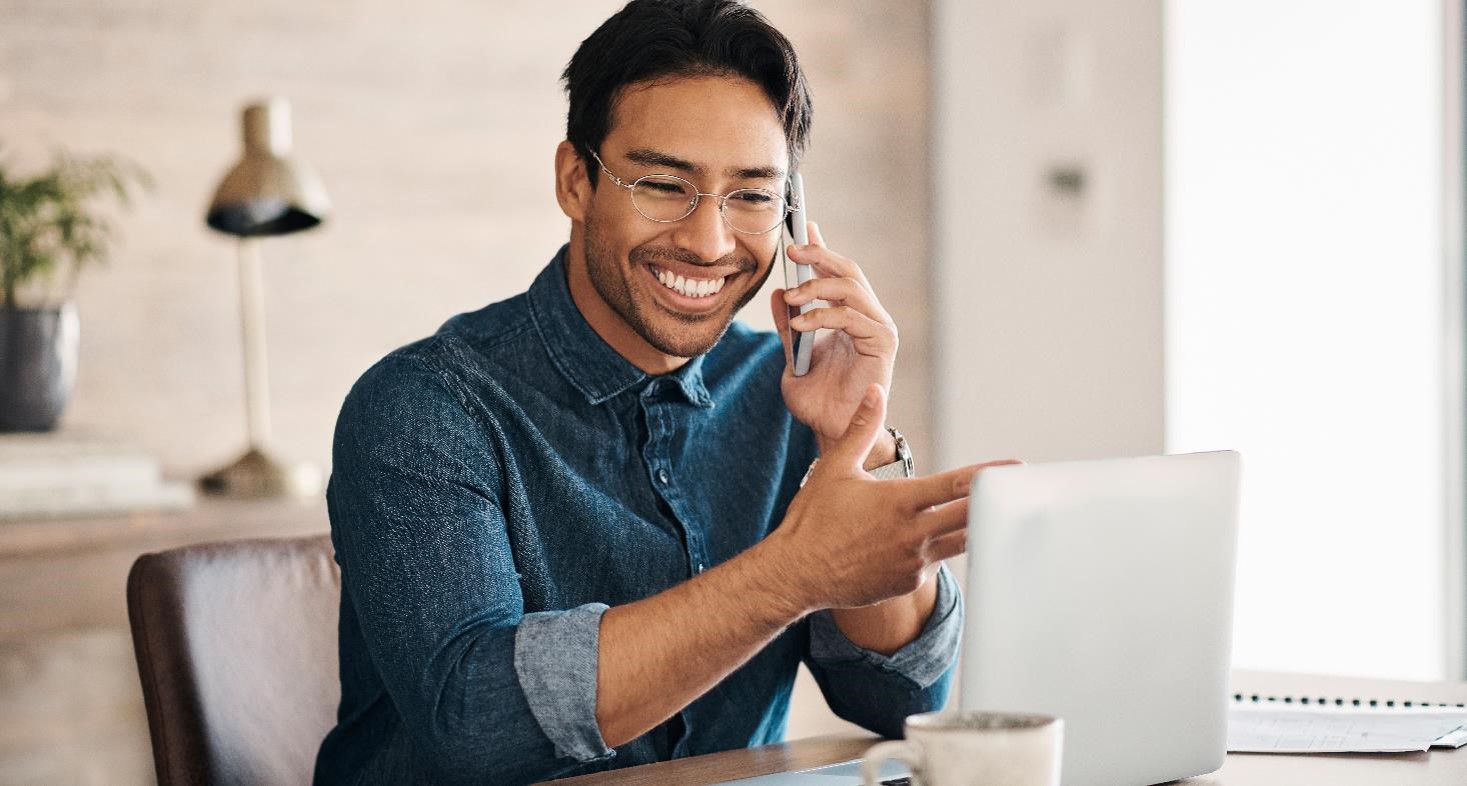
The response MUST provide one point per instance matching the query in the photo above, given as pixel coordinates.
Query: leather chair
(236, 648)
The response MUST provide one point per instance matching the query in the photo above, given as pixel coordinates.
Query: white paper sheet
(1322, 729)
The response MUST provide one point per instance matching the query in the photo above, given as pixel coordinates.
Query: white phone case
(802, 344)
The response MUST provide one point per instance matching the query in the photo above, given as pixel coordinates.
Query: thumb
(865, 426)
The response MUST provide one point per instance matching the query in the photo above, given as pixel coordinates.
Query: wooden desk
(1440, 767)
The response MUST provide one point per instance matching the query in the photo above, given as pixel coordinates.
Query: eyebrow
(649, 157)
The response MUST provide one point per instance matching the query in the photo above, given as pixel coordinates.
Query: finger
(948, 546)
(842, 291)
(825, 261)
(925, 492)
(850, 452)
(870, 337)
(812, 230)
(781, 313)
(943, 520)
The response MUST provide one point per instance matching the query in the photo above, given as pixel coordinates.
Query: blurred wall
(1048, 270)
(433, 129)
(433, 126)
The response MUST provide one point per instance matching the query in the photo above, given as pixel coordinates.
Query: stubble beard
(681, 335)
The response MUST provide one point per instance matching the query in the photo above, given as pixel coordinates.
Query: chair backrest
(236, 649)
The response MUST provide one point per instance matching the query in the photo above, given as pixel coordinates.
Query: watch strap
(903, 467)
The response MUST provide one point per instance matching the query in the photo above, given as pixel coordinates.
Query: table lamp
(269, 192)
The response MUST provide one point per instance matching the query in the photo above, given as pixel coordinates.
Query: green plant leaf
(52, 222)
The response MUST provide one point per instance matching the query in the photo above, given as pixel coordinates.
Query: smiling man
(571, 525)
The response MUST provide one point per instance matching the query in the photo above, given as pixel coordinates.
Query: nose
(704, 231)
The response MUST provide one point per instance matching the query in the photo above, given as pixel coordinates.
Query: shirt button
(700, 567)
(662, 477)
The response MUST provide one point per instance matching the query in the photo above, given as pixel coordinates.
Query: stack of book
(63, 475)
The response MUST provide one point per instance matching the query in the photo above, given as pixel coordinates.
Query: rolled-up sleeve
(486, 692)
(555, 658)
(878, 691)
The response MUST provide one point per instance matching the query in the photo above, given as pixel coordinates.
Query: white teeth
(690, 287)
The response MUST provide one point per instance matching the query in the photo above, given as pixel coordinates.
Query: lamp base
(257, 474)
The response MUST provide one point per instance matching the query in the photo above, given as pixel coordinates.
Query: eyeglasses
(667, 198)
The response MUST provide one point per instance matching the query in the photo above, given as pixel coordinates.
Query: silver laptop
(1102, 592)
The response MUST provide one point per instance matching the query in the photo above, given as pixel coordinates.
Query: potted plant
(52, 226)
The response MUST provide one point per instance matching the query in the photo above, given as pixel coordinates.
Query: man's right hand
(851, 540)
(847, 540)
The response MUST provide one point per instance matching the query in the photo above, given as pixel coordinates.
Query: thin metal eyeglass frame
(789, 207)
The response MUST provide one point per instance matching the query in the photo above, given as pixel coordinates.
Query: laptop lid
(1102, 592)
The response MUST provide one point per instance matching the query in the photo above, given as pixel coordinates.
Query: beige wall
(1050, 302)
(433, 130)
(433, 127)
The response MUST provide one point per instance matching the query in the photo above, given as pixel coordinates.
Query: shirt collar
(582, 357)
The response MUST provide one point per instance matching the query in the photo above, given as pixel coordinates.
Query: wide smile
(687, 293)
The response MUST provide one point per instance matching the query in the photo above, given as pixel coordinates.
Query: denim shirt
(498, 485)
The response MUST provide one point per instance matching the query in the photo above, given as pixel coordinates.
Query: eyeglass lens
(664, 198)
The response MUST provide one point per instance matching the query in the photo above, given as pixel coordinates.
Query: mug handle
(905, 751)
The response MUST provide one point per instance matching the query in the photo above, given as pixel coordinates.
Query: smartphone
(801, 344)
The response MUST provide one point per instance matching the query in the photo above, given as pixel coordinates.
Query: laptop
(1102, 592)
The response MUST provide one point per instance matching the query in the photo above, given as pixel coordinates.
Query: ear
(572, 186)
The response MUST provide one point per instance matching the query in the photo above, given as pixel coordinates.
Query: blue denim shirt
(498, 485)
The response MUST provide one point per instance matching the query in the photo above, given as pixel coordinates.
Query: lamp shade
(269, 192)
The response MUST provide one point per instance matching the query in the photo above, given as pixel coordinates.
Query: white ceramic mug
(974, 749)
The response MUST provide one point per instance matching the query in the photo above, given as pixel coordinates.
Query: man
(571, 526)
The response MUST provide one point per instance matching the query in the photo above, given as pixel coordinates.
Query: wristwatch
(903, 467)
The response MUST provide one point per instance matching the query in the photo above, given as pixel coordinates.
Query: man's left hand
(860, 347)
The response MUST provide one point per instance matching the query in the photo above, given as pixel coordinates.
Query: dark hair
(654, 39)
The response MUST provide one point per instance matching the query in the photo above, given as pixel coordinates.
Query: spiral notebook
(1306, 724)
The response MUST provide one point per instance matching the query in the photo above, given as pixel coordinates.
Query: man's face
(720, 134)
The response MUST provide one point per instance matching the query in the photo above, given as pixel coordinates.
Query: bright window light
(1304, 316)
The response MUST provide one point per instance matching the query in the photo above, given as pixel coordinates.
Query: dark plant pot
(37, 365)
